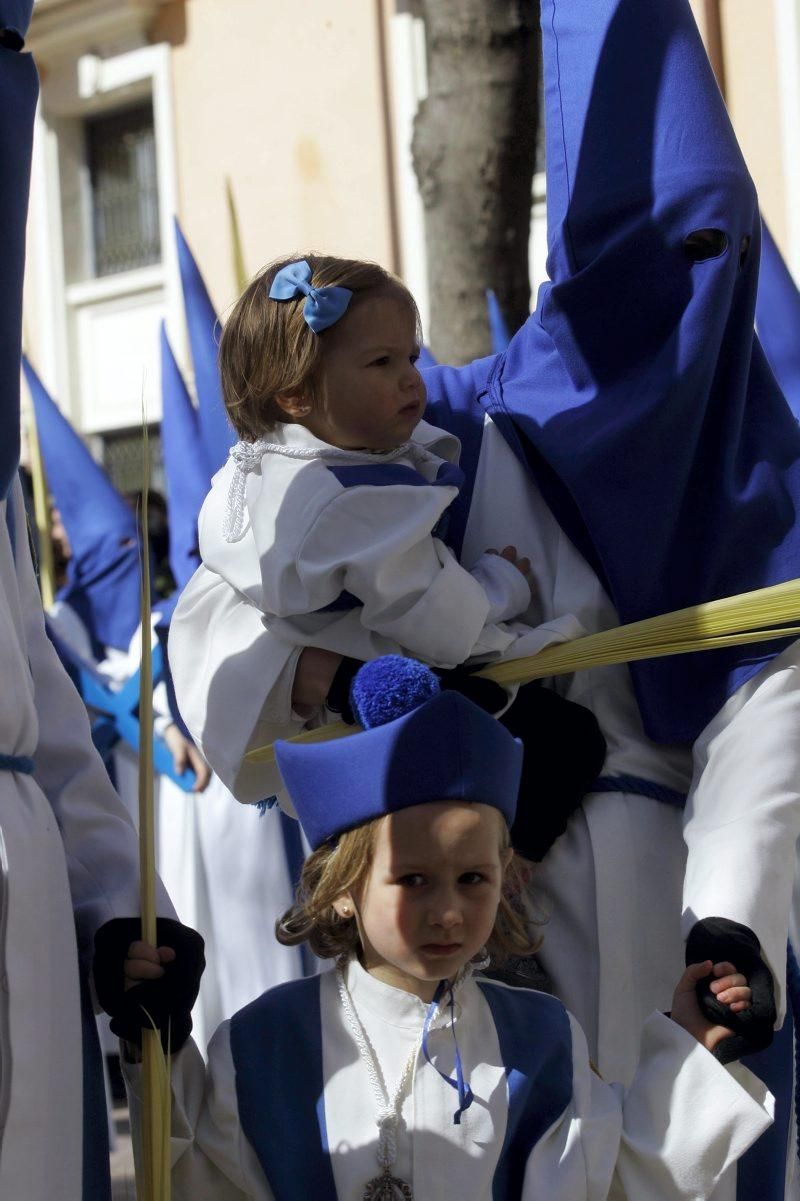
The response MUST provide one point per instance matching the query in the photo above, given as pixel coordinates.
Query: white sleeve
(507, 589)
(233, 681)
(376, 543)
(100, 843)
(682, 1123)
(743, 815)
(211, 1158)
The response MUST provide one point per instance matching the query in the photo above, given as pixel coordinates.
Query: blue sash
(276, 1044)
(536, 1048)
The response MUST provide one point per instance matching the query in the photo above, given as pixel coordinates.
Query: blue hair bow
(323, 306)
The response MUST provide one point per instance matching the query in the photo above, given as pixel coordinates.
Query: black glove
(564, 754)
(721, 940)
(486, 694)
(338, 698)
(166, 1002)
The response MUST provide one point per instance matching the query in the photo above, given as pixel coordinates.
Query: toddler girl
(403, 1074)
(337, 498)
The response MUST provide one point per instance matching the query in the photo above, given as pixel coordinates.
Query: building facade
(302, 113)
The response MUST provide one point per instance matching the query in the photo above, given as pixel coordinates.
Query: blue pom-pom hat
(420, 745)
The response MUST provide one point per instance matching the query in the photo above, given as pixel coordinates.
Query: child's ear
(505, 858)
(344, 906)
(294, 405)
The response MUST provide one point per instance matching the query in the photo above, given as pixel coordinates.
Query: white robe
(224, 866)
(670, 1135)
(306, 538)
(68, 857)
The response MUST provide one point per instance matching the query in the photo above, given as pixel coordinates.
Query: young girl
(337, 500)
(403, 1074)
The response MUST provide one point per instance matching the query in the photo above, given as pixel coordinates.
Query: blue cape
(103, 572)
(218, 433)
(188, 480)
(778, 319)
(19, 88)
(638, 394)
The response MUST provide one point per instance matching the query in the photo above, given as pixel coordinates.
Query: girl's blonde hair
(267, 349)
(343, 866)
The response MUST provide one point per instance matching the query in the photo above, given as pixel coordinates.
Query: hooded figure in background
(102, 585)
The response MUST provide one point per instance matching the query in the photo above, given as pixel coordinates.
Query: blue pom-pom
(387, 688)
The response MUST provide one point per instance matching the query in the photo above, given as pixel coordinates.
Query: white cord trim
(247, 458)
(389, 1107)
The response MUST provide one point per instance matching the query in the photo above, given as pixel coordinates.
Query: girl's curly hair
(343, 866)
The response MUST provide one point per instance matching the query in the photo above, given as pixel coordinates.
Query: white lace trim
(247, 458)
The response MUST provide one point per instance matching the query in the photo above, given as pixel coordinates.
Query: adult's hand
(313, 678)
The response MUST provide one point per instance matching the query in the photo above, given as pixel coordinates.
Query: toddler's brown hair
(267, 349)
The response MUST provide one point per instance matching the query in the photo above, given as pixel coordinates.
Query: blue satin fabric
(778, 319)
(16, 15)
(323, 307)
(103, 573)
(218, 433)
(188, 479)
(637, 394)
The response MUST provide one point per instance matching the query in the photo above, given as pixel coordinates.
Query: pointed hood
(497, 323)
(778, 319)
(188, 479)
(637, 394)
(103, 572)
(19, 89)
(640, 383)
(201, 320)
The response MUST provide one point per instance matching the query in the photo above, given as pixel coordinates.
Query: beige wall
(286, 100)
(754, 101)
(754, 98)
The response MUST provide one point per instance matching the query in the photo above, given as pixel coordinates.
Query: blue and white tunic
(287, 1110)
(304, 531)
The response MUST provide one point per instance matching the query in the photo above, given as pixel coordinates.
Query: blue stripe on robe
(382, 475)
(536, 1048)
(276, 1044)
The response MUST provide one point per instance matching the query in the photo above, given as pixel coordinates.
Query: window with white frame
(123, 185)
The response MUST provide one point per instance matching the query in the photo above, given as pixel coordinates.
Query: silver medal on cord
(385, 1187)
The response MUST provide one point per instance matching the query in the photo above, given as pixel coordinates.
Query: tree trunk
(474, 152)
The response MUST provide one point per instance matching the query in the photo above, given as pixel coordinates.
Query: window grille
(122, 459)
(121, 156)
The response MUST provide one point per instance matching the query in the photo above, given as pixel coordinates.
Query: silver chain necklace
(384, 1187)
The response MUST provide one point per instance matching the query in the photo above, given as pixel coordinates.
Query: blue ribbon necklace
(462, 1087)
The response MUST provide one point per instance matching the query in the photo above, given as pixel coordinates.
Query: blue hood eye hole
(11, 39)
(704, 244)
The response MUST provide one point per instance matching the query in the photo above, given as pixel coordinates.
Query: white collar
(395, 1006)
(295, 441)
